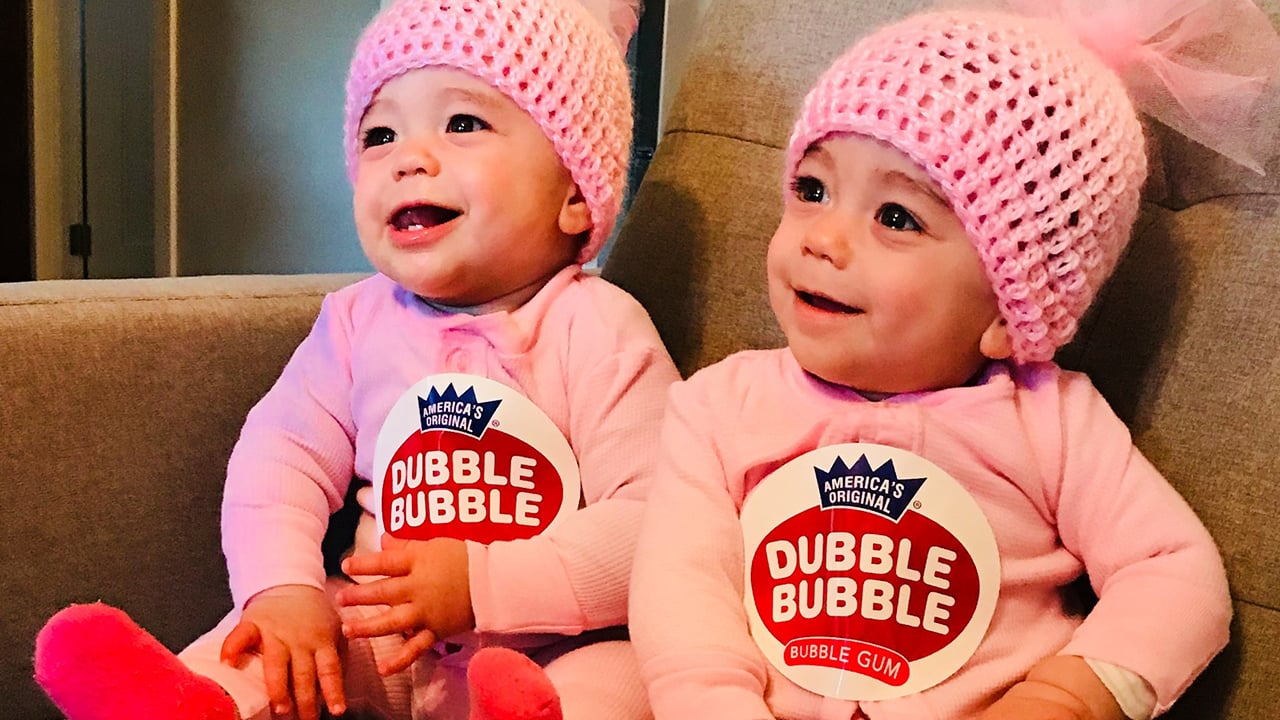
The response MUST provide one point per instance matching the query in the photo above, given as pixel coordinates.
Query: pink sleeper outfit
(1053, 470)
(583, 351)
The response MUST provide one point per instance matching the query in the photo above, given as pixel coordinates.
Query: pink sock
(97, 664)
(506, 685)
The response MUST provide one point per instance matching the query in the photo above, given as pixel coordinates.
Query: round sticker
(465, 457)
(871, 573)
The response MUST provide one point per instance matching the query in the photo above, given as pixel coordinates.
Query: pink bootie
(506, 685)
(97, 664)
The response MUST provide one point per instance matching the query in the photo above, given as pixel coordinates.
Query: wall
(256, 175)
(253, 118)
(261, 185)
(119, 142)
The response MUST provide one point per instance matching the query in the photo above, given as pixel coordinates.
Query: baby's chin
(871, 380)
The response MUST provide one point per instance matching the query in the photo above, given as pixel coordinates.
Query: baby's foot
(97, 664)
(506, 685)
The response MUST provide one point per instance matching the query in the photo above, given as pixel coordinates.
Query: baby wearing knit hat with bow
(880, 520)
(487, 142)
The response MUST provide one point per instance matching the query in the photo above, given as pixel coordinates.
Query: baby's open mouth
(420, 217)
(825, 304)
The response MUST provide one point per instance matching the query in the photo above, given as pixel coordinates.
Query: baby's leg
(600, 680)
(368, 694)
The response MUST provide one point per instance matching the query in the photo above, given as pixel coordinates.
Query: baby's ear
(995, 342)
(575, 216)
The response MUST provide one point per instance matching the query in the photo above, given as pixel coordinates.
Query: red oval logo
(849, 589)
(447, 484)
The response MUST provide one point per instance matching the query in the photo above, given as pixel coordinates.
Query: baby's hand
(427, 587)
(1062, 687)
(295, 629)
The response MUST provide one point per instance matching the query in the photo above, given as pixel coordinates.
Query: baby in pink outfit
(881, 519)
(495, 408)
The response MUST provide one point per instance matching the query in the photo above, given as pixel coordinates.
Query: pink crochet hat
(1031, 137)
(553, 58)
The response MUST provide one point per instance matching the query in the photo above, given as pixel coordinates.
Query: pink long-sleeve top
(582, 350)
(1052, 468)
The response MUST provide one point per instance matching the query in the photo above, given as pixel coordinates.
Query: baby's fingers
(414, 646)
(329, 670)
(392, 562)
(387, 591)
(304, 686)
(396, 619)
(275, 673)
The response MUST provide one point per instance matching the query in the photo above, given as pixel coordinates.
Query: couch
(122, 398)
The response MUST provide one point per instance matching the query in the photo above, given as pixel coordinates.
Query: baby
(880, 520)
(496, 407)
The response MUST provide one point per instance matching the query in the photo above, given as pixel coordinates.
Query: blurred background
(198, 137)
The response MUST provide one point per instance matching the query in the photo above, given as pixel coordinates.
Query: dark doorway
(15, 142)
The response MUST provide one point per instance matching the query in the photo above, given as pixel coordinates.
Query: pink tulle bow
(1198, 66)
(622, 17)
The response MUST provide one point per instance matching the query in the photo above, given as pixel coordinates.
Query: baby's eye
(809, 189)
(466, 124)
(896, 217)
(377, 136)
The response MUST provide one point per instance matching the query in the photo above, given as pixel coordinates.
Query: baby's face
(459, 196)
(872, 276)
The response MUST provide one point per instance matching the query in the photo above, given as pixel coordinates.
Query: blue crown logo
(858, 486)
(459, 413)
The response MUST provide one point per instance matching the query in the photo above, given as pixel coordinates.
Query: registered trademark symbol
(495, 423)
(916, 504)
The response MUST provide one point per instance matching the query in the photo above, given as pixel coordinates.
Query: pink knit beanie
(553, 58)
(1030, 136)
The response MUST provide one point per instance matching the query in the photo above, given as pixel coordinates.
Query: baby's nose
(829, 238)
(417, 160)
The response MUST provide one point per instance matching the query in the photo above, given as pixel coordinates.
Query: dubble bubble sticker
(466, 457)
(871, 573)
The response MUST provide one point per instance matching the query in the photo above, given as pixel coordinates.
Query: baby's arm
(575, 576)
(288, 472)
(292, 465)
(688, 622)
(1164, 607)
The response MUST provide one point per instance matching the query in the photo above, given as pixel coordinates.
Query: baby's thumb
(240, 640)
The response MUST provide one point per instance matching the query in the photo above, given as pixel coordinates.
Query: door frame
(55, 134)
